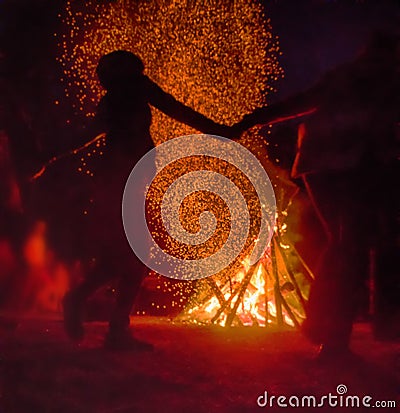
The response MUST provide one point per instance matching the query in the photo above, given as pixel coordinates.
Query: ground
(192, 369)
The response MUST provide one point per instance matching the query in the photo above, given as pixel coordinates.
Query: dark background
(315, 35)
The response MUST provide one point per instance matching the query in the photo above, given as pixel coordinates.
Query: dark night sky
(317, 35)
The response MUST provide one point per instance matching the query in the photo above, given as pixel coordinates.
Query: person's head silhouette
(118, 68)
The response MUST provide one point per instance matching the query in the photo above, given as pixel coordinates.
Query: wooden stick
(229, 300)
(309, 273)
(241, 292)
(290, 272)
(216, 291)
(266, 273)
(288, 310)
(277, 291)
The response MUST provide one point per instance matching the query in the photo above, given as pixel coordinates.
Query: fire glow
(220, 59)
(274, 292)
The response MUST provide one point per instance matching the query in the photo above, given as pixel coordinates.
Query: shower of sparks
(218, 57)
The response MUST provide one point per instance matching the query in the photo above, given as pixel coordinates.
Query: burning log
(283, 303)
(241, 292)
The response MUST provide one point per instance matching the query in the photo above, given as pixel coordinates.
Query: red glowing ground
(192, 369)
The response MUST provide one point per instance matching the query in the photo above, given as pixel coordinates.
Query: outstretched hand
(238, 128)
(235, 131)
(259, 116)
(232, 132)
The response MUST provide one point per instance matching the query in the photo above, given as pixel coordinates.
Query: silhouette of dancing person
(346, 158)
(124, 114)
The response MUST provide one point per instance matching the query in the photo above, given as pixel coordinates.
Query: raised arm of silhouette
(178, 111)
(125, 110)
(297, 105)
